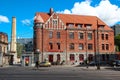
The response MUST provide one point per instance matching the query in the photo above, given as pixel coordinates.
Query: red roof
(76, 19)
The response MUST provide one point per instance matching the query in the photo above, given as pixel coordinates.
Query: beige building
(3, 48)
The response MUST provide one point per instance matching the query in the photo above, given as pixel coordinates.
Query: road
(58, 73)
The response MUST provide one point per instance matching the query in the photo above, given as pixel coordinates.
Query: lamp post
(98, 55)
(86, 49)
(36, 55)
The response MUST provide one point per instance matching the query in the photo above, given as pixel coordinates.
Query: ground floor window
(103, 57)
(58, 57)
(72, 57)
(81, 57)
(90, 57)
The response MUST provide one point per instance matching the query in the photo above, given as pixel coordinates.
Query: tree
(117, 42)
(20, 48)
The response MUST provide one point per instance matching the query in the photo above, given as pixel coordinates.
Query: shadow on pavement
(113, 68)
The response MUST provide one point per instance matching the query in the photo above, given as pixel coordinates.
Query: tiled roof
(45, 16)
(77, 19)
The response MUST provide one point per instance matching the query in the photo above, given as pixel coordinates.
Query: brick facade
(72, 38)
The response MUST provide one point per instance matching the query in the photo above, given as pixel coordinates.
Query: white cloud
(106, 11)
(26, 22)
(4, 19)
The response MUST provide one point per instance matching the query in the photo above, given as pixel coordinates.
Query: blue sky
(24, 11)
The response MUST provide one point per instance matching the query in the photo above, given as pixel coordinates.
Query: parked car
(45, 64)
(115, 63)
(93, 63)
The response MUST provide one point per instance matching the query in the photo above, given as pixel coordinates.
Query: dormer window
(70, 25)
(101, 26)
(88, 26)
(79, 26)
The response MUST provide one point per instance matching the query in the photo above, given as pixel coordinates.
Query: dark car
(115, 63)
(92, 63)
(95, 63)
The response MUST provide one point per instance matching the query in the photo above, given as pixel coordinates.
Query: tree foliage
(20, 49)
(117, 42)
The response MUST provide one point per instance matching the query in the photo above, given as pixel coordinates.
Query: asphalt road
(58, 73)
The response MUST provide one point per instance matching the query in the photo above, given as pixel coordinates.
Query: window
(101, 26)
(89, 36)
(50, 34)
(72, 57)
(0, 48)
(0, 38)
(58, 57)
(107, 47)
(54, 22)
(50, 45)
(4, 50)
(71, 35)
(90, 57)
(58, 44)
(79, 26)
(58, 35)
(88, 26)
(90, 46)
(102, 36)
(81, 47)
(106, 36)
(80, 35)
(81, 57)
(71, 46)
(71, 25)
(103, 47)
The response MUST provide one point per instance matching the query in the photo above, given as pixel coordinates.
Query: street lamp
(98, 54)
(36, 55)
(86, 49)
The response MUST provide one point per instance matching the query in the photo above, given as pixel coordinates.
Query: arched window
(58, 57)
(90, 57)
(50, 45)
(72, 57)
(81, 57)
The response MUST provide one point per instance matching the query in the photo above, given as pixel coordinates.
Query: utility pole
(86, 48)
(98, 55)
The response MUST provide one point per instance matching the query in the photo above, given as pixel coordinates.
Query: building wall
(3, 48)
(42, 40)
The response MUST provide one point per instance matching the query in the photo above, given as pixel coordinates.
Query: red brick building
(72, 38)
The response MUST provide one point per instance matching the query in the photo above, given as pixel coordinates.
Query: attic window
(88, 26)
(101, 26)
(79, 26)
(70, 25)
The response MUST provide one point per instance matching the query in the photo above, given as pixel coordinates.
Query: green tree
(117, 42)
(20, 48)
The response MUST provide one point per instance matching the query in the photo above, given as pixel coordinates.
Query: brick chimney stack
(51, 11)
(13, 49)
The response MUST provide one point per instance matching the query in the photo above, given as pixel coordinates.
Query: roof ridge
(77, 15)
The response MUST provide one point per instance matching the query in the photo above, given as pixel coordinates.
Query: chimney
(13, 49)
(13, 35)
(51, 11)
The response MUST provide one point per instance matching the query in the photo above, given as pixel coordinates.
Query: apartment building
(72, 38)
